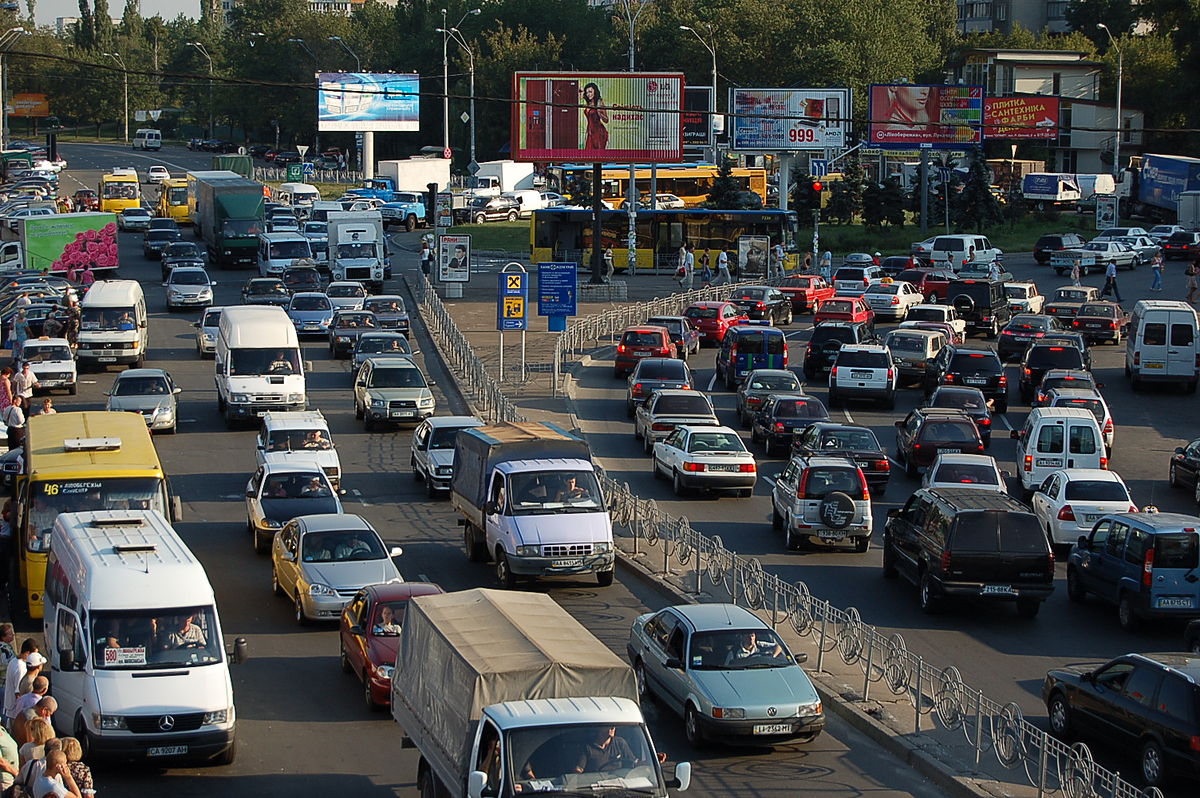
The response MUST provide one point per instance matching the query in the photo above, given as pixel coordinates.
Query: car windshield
(1092, 490)
(906, 343)
(849, 439)
(295, 486)
(550, 492)
(189, 277)
(691, 404)
(141, 386)
(356, 251)
(966, 473)
(388, 618)
(341, 546)
(394, 305)
(574, 759)
(264, 287)
(1016, 292)
(962, 400)
(183, 249)
(356, 320)
(946, 430)
(700, 313)
(311, 303)
(736, 650)
(375, 345)
(772, 382)
(253, 362)
(42, 354)
(283, 250)
(1071, 295)
(799, 408)
(106, 319)
(397, 378)
(52, 497)
(715, 442)
(137, 640)
(301, 277)
(288, 440)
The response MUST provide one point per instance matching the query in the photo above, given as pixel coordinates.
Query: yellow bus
(92, 460)
(173, 200)
(120, 191)
(690, 182)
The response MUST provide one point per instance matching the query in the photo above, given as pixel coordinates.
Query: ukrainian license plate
(860, 375)
(951, 451)
(106, 360)
(773, 728)
(1180, 602)
(831, 534)
(1043, 462)
(1148, 365)
(401, 413)
(998, 590)
(975, 381)
(723, 467)
(1091, 517)
(575, 563)
(167, 750)
(1092, 326)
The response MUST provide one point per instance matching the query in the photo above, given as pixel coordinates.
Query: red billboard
(593, 117)
(939, 116)
(1020, 118)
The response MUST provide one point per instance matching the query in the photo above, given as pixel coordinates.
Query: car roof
(320, 294)
(942, 412)
(917, 332)
(133, 373)
(966, 459)
(454, 421)
(1021, 283)
(973, 499)
(1160, 522)
(1094, 474)
(401, 363)
(644, 328)
(825, 461)
(963, 349)
(677, 392)
(397, 591)
(326, 522)
(291, 467)
(713, 617)
(1185, 664)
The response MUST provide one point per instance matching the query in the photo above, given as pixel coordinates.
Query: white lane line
(1004, 421)
(422, 578)
(769, 480)
(712, 383)
(849, 417)
(356, 492)
(895, 462)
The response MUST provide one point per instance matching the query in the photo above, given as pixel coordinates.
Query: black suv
(1050, 243)
(827, 340)
(1148, 703)
(974, 368)
(964, 543)
(1040, 358)
(981, 303)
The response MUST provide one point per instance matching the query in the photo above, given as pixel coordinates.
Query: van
(955, 250)
(1054, 438)
(278, 251)
(113, 325)
(258, 366)
(319, 211)
(750, 346)
(1161, 346)
(300, 196)
(125, 601)
(528, 200)
(147, 139)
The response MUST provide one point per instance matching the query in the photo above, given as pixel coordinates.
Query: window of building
(1126, 130)
(1001, 12)
(1056, 10)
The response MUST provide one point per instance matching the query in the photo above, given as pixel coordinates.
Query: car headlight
(601, 548)
(728, 713)
(240, 398)
(205, 292)
(295, 397)
(378, 403)
(209, 337)
(219, 716)
(176, 294)
(318, 589)
(426, 402)
(528, 551)
(109, 722)
(445, 471)
(811, 709)
(385, 672)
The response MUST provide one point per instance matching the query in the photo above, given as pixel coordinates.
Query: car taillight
(802, 487)
(659, 426)
(832, 372)
(891, 374)
(1067, 513)
(948, 377)
(747, 468)
(883, 465)
(945, 562)
(1112, 325)
(1104, 463)
(1194, 742)
(760, 306)
(1148, 567)
(1028, 462)
(780, 427)
(693, 466)
(1132, 509)
(685, 387)
(985, 422)
(866, 490)
(637, 389)
(866, 281)
(621, 348)
(1108, 427)
(895, 300)
(1003, 380)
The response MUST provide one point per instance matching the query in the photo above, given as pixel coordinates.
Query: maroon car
(370, 635)
(927, 431)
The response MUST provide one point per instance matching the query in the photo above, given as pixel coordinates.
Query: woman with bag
(14, 417)
(1192, 272)
(19, 335)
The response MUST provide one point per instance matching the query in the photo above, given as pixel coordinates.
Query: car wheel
(691, 727)
(262, 543)
(369, 699)
(358, 413)
(1173, 476)
(1153, 772)
(298, 613)
(677, 485)
(480, 219)
(605, 578)
(504, 574)
(345, 659)
(776, 518)
(862, 544)
(1028, 608)
(512, 216)
(628, 410)
(1075, 590)
(276, 588)
(410, 223)
(910, 468)
(925, 596)
(889, 562)
(645, 696)
(412, 463)
(654, 468)
(1126, 616)
(647, 443)
(368, 424)
(1059, 714)
(430, 490)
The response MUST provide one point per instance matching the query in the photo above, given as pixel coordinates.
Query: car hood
(139, 403)
(311, 315)
(349, 576)
(175, 691)
(347, 302)
(441, 457)
(389, 394)
(284, 510)
(383, 650)
(779, 687)
(574, 527)
(188, 290)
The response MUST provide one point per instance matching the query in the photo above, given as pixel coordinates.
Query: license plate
(1048, 463)
(641, 354)
(951, 451)
(1148, 365)
(167, 750)
(1092, 326)
(1182, 602)
(106, 360)
(860, 375)
(259, 413)
(723, 467)
(401, 413)
(830, 534)
(975, 381)
(773, 728)
(566, 563)
(1091, 517)
(998, 590)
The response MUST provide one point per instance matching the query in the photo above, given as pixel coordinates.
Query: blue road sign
(512, 300)
(309, 168)
(818, 167)
(558, 289)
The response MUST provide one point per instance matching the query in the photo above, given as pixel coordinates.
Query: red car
(713, 319)
(930, 282)
(370, 635)
(806, 291)
(86, 200)
(844, 308)
(639, 342)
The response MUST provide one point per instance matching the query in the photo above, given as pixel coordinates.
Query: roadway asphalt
(302, 724)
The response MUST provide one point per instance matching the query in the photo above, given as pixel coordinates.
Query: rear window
(1054, 357)
(949, 430)
(1094, 405)
(950, 244)
(1100, 310)
(1182, 238)
(642, 339)
(759, 343)
(988, 530)
(854, 439)
(823, 481)
(1081, 440)
(966, 473)
(1181, 335)
(751, 293)
(1155, 334)
(1090, 490)
(1071, 295)
(848, 273)
(975, 363)
(824, 333)
(1067, 382)
(926, 314)
(1176, 550)
(661, 370)
(906, 343)
(675, 326)
(860, 359)
(1016, 292)
(800, 408)
(960, 400)
(694, 405)
(701, 313)
(836, 306)
(772, 382)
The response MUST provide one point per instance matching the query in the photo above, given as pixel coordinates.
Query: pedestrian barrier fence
(271, 174)
(1048, 764)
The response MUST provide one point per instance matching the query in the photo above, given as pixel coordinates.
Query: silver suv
(822, 498)
(863, 371)
(391, 390)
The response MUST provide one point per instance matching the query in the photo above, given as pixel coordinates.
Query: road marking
(849, 417)
(1004, 421)
(422, 578)
(711, 383)
(769, 480)
(895, 462)
(189, 420)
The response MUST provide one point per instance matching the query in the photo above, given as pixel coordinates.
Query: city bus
(565, 234)
(173, 200)
(91, 460)
(119, 190)
(690, 182)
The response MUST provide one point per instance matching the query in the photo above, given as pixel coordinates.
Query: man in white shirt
(723, 276)
(13, 676)
(57, 781)
(1110, 281)
(41, 685)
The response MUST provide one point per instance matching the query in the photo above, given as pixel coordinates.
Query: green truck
(239, 164)
(228, 217)
(58, 242)
(13, 160)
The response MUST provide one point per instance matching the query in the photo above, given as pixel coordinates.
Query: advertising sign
(368, 101)
(511, 301)
(752, 255)
(616, 117)
(778, 120)
(558, 289)
(939, 116)
(1106, 211)
(30, 105)
(66, 241)
(454, 259)
(1020, 118)
(697, 119)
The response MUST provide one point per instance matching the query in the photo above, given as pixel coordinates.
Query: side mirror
(1178, 450)
(66, 658)
(196, 324)
(176, 391)
(673, 663)
(1006, 475)
(683, 777)
(240, 652)
(799, 657)
(395, 551)
(893, 512)
(491, 508)
(898, 424)
(476, 781)
(249, 494)
(1084, 543)
(176, 509)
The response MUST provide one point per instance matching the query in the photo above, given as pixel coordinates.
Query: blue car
(311, 312)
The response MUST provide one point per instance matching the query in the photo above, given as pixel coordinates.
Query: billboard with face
(936, 116)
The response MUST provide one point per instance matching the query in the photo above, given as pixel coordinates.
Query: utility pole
(456, 35)
(212, 131)
(445, 29)
(1116, 168)
(125, 73)
(632, 15)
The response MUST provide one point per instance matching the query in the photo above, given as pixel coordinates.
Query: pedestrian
(39, 707)
(10, 760)
(1076, 268)
(1193, 279)
(33, 753)
(13, 676)
(970, 256)
(47, 407)
(24, 382)
(5, 388)
(723, 276)
(18, 335)
(1110, 281)
(74, 313)
(777, 256)
(994, 270)
(826, 264)
(72, 275)
(609, 264)
(57, 780)
(87, 278)
(13, 417)
(81, 772)
(876, 259)
(426, 258)
(23, 301)
(689, 266)
(1156, 269)
(806, 267)
(706, 275)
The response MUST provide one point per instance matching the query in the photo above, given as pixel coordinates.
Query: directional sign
(512, 298)
(558, 289)
(295, 173)
(818, 167)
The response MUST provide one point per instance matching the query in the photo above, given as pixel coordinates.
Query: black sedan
(265, 291)
(1023, 330)
(286, 157)
(1184, 471)
(969, 400)
(764, 302)
(1043, 357)
(850, 441)
(345, 329)
(781, 416)
(156, 241)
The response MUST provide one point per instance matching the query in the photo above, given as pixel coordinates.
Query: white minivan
(1162, 345)
(147, 139)
(300, 196)
(134, 641)
(113, 325)
(258, 365)
(277, 251)
(1054, 438)
(955, 251)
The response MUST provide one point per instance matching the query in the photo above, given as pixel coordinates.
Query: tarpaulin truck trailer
(1158, 182)
(1048, 188)
(500, 692)
(531, 502)
(228, 217)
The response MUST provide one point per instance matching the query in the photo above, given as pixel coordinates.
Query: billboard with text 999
(939, 116)
(782, 120)
(368, 102)
(597, 117)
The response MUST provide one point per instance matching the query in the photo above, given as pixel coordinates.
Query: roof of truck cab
(563, 711)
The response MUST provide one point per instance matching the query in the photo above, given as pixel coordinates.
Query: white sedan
(1071, 500)
(973, 471)
(157, 174)
(1024, 298)
(892, 299)
(705, 458)
(946, 314)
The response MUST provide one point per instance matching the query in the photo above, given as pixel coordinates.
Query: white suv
(853, 280)
(863, 372)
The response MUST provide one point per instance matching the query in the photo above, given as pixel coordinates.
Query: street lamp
(7, 40)
(255, 36)
(1120, 81)
(712, 50)
(121, 62)
(474, 12)
(346, 47)
(212, 131)
(317, 71)
(456, 35)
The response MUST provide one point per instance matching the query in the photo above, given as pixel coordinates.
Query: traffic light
(815, 195)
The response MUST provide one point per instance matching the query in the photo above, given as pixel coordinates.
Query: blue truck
(406, 208)
(1157, 184)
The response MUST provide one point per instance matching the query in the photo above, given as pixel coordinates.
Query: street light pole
(125, 72)
(445, 29)
(7, 40)
(1120, 80)
(316, 71)
(631, 196)
(346, 47)
(456, 34)
(212, 131)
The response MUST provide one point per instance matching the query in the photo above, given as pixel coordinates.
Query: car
(912, 350)
(976, 368)
(291, 436)
(1182, 244)
(164, 223)
(1147, 248)
(1068, 379)
(183, 253)
(639, 341)
(806, 291)
(822, 348)
(1101, 322)
(781, 416)
(928, 431)
(1050, 243)
(946, 330)
(930, 283)
(970, 401)
(52, 361)
(894, 264)
(157, 174)
(12, 217)
(981, 303)
(822, 498)
(652, 374)
(697, 658)
(1023, 330)
(1085, 399)
(1141, 562)
(853, 280)
(1065, 301)
(958, 544)
(134, 219)
(967, 471)
(149, 392)
(705, 458)
(922, 249)
(685, 337)
(713, 319)
(279, 492)
(390, 311)
(1068, 338)
(311, 312)
(369, 635)
(155, 241)
(1071, 500)
(345, 329)
(188, 287)
(380, 345)
(1102, 252)
(431, 454)
(320, 561)
(667, 409)
(1041, 358)
(490, 209)
(391, 390)
(760, 383)
(851, 441)
(265, 291)
(35, 316)
(207, 331)
(844, 308)
(1116, 232)
(860, 259)
(945, 314)
(346, 294)
(283, 223)
(552, 199)
(302, 278)
(1161, 232)
(746, 347)
(1139, 704)
(1024, 298)
(286, 157)
(1184, 468)
(985, 271)
(863, 371)
(892, 299)
(761, 302)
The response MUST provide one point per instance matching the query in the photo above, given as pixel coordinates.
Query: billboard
(30, 105)
(597, 117)
(942, 117)
(454, 259)
(368, 101)
(697, 122)
(71, 241)
(1020, 118)
(778, 120)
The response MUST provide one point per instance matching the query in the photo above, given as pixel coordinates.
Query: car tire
(910, 468)
(862, 544)
(605, 578)
(298, 612)
(889, 562)
(1126, 617)
(928, 602)
(276, 588)
(654, 467)
(368, 424)
(410, 223)
(1152, 765)
(358, 413)
(691, 727)
(1058, 712)
(480, 219)
(647, 444)
(645, 695)
(345, 659)
(1173, 476)
(416, 473)
(677, 485)
(504, 574)
(368, 699)
(628, 410)
(776, 518)
(834, 399)
(513, 216)
(745, 493)
(261, 545)
(1076, 592)
(1028, 608)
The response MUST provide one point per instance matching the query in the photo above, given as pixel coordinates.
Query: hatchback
(782, 416)
(970, 401)
(685, 337)
(758, 385)
(853, 280)
(974, 368)
(927, 432)
(311, 312)
(714, 319)
(640, 342)
(844, 308)
(1071, 500)
(652, 374)
(150, 393)
(369, 635)
(1040, 359)
(1023, 330)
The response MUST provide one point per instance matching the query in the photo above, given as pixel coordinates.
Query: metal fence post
(920, 673)
(978, 724)
(1041, 785)
(821, 640)
(870, 662)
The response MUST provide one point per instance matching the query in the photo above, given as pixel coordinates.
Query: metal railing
(271, 174)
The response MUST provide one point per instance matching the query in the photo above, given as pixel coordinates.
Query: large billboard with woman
(597, 117)
(948, 116)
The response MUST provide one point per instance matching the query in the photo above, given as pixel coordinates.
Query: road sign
(511, 302)
(818, 167)
(446, 153)
(473, 166)
(558, 289)
(295, 173)
(302, 149)
(309, 168)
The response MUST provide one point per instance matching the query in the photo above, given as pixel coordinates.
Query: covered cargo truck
(1049, 188)
(1158, 183)
(357, 249)
(228, 217)
(501, 692)
(238, 164)
(414, 174)
(531, 503)
(60, 241)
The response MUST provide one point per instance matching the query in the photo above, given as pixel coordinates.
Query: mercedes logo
(771, 711)
(166, 723)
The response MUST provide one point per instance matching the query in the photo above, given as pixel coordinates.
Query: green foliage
(975, 207)
(891, 201)
(872, 213)
(841, 207)
(724, 193)
(1085, 16)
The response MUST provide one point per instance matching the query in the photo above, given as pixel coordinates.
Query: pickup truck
(405, 208)
(654, 419)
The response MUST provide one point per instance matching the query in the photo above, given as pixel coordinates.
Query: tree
(975, 206)
(872, 213)
(724, 193)
(891, 201)
(841, 206)
(1085, 16)
(853, 181)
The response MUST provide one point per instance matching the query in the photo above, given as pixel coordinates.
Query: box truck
(357, 249)
(228, 217)
(57, 242)
(413, 174)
